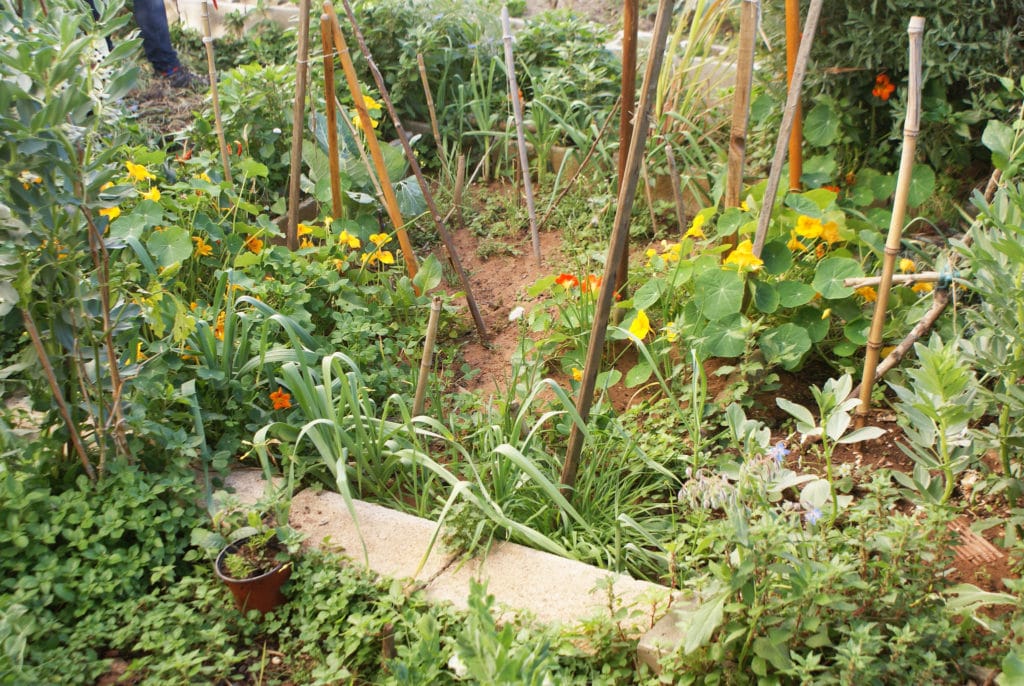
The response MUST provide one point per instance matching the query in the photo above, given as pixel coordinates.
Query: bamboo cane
(433, 114)
(298, 111)
(390, 200)
(630, 23)
(428, 353)
(460, 184)
(517, 112)
(677, 186)
(915, 30)
(796, 136)
(620, 230)
(62, 405)
(211, 69)
(332, 114)
(741, 107)
(904, 279)
(414, 165)
(788, 117)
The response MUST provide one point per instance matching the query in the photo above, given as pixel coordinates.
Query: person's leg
(151, 16)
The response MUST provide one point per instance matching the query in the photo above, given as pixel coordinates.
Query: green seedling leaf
(998, 137)
(867, 433)
(785, 345)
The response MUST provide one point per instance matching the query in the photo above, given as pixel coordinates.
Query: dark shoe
(181, 77)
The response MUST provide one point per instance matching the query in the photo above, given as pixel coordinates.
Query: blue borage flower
(778, 452)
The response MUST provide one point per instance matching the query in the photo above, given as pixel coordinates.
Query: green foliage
(75, 556)
(855, 44)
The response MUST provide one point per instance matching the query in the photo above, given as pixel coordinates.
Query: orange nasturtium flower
(254, 244)
(869, 294)
(883, 87)
(138, 172)
(743, 257)
(641, 325)
(794, 243)
(567, 281)
(305, 243)
(830, 233)
(591, 283)
(281, 400)
(218, 328)
(203, 249)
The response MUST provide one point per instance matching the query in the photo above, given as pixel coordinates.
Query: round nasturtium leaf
(794, 293)
(720, 293)
(829, 276)
(821, 125)
(766, 297)
(922, 185)
(776, 256)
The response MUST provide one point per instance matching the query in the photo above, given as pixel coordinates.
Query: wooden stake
(211, 69)
(366, 122)
(630, 22)
(517, 112)
(796, 137)
(433, 115)
(460, 183)
(298, 116)
(677, 186)
(332, 115)
(915, 30)
(425, 362)
(414, 164)
(741, 107)
(620, 231)
(788, 116)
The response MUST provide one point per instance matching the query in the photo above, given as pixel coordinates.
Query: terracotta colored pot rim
(232, 547)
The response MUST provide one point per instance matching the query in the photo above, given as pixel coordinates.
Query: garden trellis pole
(428, 354)
(911, 127)
(366, 123)
(630, 21)
(434, 128)
(741, 106)
(403, 139)
(796, 136)
(211, 69)
(298, 111)
(517, 113)
(788, 117)
(331, 109)
(620, 231)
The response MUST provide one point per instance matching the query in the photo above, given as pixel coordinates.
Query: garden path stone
(525, 583)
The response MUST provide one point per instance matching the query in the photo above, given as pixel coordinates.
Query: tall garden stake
(298, 117)
(366, 124)
(627, 96)
(403, 138)
(434, 128)
(517, 112)
(620, 231)
(211, 69)
(331, 109)
(741, 106)
(788, 117)
(796, 137)
(428, 353)
(915, 29)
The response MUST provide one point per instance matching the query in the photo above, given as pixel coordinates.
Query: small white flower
(458, 666)
(277, 130)
(516, 314)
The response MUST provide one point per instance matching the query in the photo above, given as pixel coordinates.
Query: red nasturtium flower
(567, 281)
(281, 400)
(883, 87)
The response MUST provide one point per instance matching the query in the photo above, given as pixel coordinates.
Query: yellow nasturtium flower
(641, 325)
(743, 257)
(353, 242)
(577, 374)
(152, 194)
(111, 213)
(138, 172)
(808, 227)
(907, 266)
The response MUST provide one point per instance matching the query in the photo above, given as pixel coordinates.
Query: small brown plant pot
(261, 592)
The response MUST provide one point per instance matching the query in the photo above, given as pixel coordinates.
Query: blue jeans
(151, 16)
